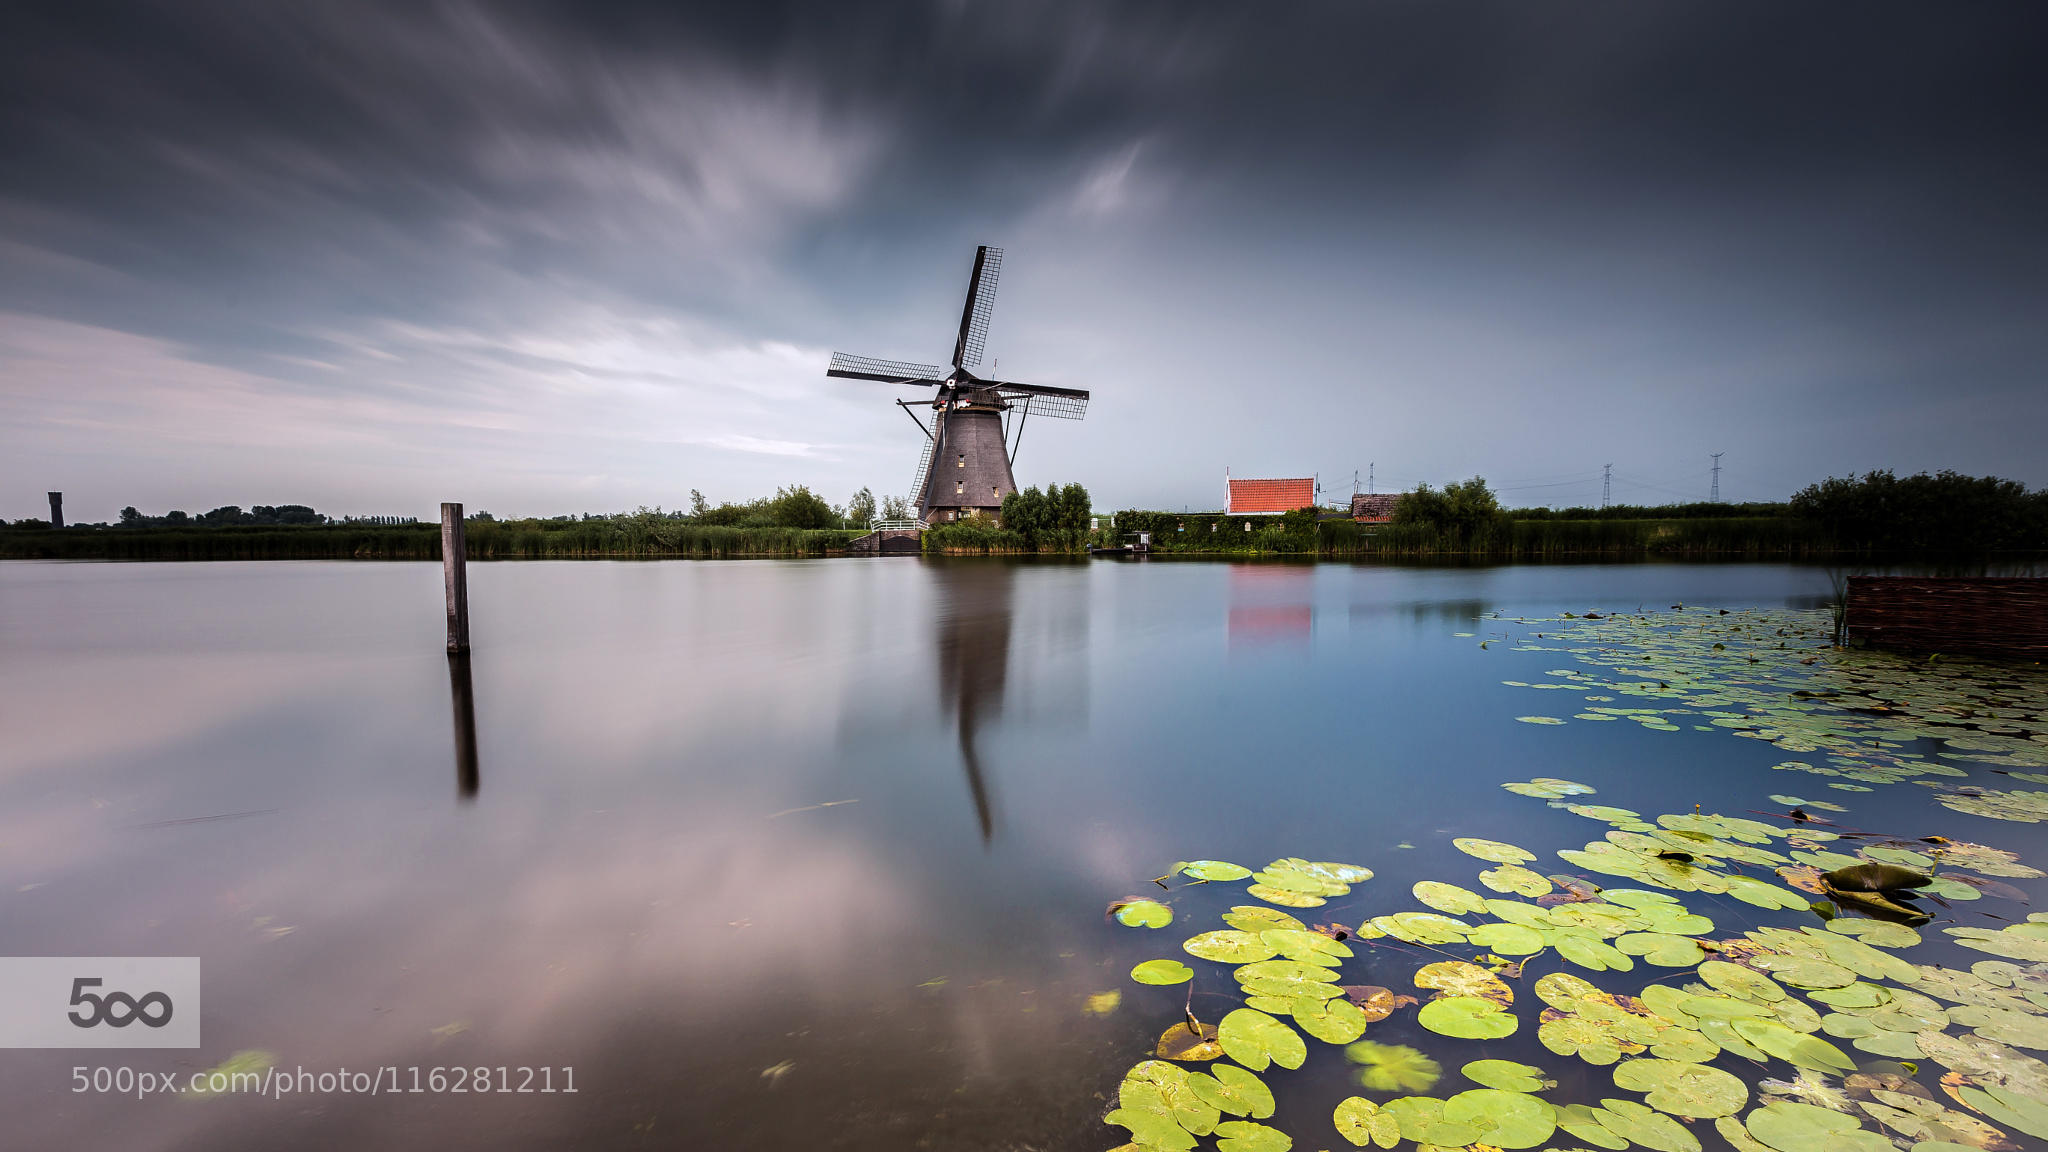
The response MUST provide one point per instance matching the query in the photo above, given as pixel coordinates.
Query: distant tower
(1606, 483)
(1369, 489)
(56, 509)
(1715, 496)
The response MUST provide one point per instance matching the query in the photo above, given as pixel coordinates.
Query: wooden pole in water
(455, 576)
(467, 775)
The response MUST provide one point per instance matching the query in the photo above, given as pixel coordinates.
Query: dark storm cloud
(1408, 212)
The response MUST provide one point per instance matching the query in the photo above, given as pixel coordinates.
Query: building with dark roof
(1373, 507)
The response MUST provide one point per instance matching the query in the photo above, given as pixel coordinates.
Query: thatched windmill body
(977, 424)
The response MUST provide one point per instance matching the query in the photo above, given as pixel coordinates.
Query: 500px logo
(94, 1001)
(105, 1006)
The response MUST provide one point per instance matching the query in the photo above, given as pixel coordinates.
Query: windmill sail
(1040, 400)
(887, 371)
(981, 300)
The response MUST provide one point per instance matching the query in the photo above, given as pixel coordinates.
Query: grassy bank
(624, 537)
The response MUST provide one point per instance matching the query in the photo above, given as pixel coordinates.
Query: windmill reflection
(467, 777)
(973, 631)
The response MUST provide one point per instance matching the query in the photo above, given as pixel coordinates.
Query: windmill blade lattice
(887, 371)
(981, 300)
(1062, 403)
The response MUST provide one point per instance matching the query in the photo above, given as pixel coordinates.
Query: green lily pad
(1507, 939)
(1285, 897)
(1361, 1122)
(1739, 981)
(1418, 928)
(1230, 946)
(1449, 897)
(1550, 788)
(1692, 1090)
(1250, 1136)
(1422, 1120)
(1467, 1018)
(1507, 1075)
(1309, 947)
(1504, 1119)
(1393, 1067)
(1255, 1040)
(1252, 918)
(1461, 978)
(1806, 1051)
(1639, 1124)
(1539, 719)
(1162, 972)
(1142, 914)
(1793, 1127)
(1516, 879)
(1233, 1091)
(2011, 1109)
(1492, 850)
(1215, 870)
(1595, 954)
(1333, 1021)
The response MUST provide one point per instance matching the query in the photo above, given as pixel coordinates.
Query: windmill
(969, 447)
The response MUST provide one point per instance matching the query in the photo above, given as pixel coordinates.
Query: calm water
(774, 855)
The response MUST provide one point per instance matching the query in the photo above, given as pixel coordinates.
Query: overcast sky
(581, 257)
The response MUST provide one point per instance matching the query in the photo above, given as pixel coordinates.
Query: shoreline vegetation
(1878, 515)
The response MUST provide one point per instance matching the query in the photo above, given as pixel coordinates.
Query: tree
(698, 505)
(895, 508)
(1462, 509)
(130, 517)
(798, 507)
(861, 508)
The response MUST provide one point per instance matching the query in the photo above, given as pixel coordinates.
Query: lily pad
(1692, 1090)
(1187, 1043)
(1460, 978)
(1230, 946)
(1214, 870)
(1255, 1040)
(1504, 1119)
(1333, 1021)
(1250, 1136)
(1162, 972)
(1393, 1067)
(1233, 1091)
(1449, 897)
(1141, 913)
(1467, 1018)
(1516, 879)
(1507, 1075)
(1361, 1122)
(1492, 850)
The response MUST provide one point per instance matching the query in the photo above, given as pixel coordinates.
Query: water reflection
(1271, 603)
(467, 778)
(973, 634)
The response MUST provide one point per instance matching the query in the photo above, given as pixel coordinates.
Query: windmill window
(960, 488)
(961, 462)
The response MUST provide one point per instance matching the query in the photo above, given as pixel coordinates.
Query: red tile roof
(1271, 495)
